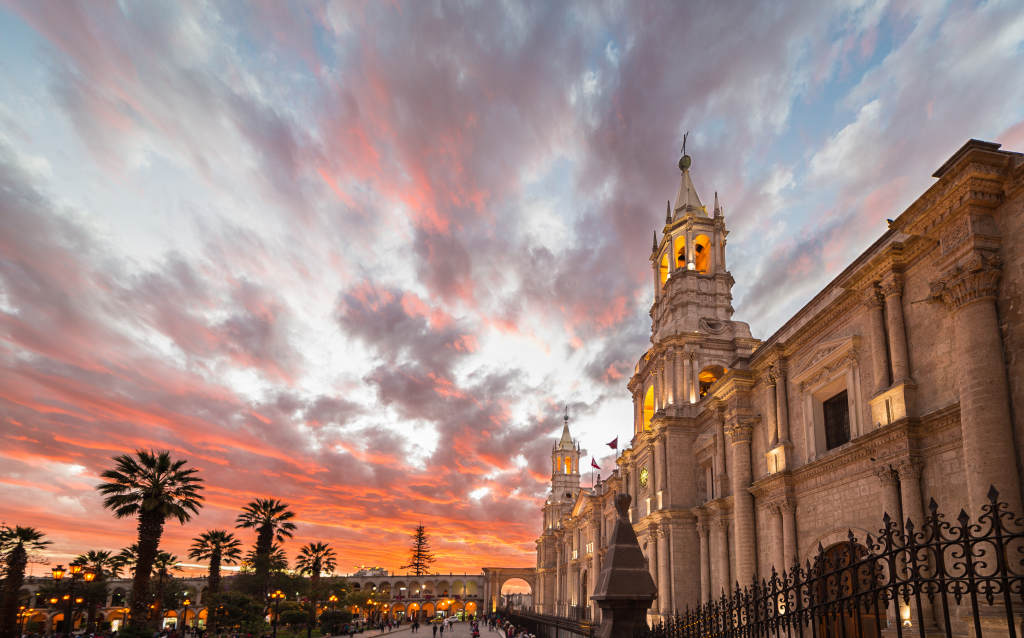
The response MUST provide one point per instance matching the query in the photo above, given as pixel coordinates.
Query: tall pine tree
(420, 556)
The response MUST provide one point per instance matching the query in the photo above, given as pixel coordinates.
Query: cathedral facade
(901, 381)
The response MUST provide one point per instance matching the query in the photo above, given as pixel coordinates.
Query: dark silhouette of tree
(272, 521)
(153, 488)
(218, 546)
(15, 544)
(420, 556)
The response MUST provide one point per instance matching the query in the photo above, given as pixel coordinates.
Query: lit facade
(901, 381)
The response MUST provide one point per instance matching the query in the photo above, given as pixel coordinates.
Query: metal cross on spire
(683, 150)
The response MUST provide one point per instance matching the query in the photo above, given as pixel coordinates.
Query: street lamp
(184, 625)
(277, 597)
(77, 574)
(124, 615)
(333, 599)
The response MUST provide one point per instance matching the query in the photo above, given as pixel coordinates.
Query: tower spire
(668, 213)
(717, 207)
(654, 246)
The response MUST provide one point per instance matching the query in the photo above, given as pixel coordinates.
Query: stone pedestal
(893, 404)
(625, 589)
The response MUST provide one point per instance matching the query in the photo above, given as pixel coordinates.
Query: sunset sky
(359, 255)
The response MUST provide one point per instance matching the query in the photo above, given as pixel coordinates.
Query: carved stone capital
(788, 506)
(703, 529)
(872, 300)
(775, 509)
(886, 475)
(910, 468)
(978, 280)
(723, 524)
(892, 286)
(742, 430)
(771, 375)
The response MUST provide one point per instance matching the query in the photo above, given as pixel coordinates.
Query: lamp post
(277, 597)
(184, 625)
(23, 615)
(77, 573)
(124, 615)
(333, 599)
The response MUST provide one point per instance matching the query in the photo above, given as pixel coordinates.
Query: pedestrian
(435, 630)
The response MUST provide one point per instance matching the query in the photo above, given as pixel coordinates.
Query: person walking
(435, 630)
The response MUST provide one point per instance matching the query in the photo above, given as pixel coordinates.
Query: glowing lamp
(66, 596)
(75, 569)
(89, 576)
(53, 601)
(187, 602)
(58, 572)
(78, 601)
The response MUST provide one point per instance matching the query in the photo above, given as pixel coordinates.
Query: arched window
(708, 376)
(680, 253)
(664, 269)
(568, 465)
(648, 408)
(701, 253)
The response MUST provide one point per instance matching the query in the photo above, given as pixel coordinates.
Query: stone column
(695, 382)
(684, 367)
(782, 405)
(724, 575)
(636, 415)
(677, 378)
(876, 328)
(558, 577)
(771, 410)
(663, 471)
(910, 494)
(664, 573)
(670, 374)
(789, 554)
(892, 288)
(989, 453)
(652, 558)
(656, 382)
(740, 433)
(891, 506)
(723, 474)
(778, 539)
(705, 562)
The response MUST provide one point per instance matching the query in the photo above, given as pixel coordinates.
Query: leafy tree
(105, 566)
(333, 619)
(293, 617)
(230, 609)
(15, 544)
(272, 521)
(154, 488)
(217, 546)
(420, 556)
(127, 558)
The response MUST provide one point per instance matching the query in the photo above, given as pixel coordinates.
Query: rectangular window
(837, 420)
(575, 554)
(590, 548)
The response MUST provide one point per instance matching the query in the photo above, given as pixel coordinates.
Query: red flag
(593, 463)
(614, 444)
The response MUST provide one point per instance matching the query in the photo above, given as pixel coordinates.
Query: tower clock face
(643, 478)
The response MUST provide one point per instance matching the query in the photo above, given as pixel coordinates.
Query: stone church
(901, 381)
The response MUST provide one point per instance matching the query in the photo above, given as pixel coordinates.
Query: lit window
(837, 420)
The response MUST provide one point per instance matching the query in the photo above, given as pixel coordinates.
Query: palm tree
(104, 565)
(127, 558)
(278, 560)
(15, 544)
(154, 488)
(313, 559)
(217, 546)
(163, 564)
(272, 521)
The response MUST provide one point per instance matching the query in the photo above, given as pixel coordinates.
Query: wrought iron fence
(953, 577)
(571, 625)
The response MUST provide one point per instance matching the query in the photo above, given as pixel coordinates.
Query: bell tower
(692, 288)
(565, 476)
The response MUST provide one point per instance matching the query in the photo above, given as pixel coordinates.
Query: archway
(708, 376)
(840, 579)
(516, 593)
(413, 610)
(428, 610)
(471, 588)
(663, 269)
(443, 588)
(170, 619)
(398, 611)
(680, 252)
(648, 408)
(701, 253)
(471, 608)
(583, 598)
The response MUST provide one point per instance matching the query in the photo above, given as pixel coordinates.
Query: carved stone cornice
(978, 280)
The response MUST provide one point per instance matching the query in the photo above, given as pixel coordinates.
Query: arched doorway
(707, 378)
(471, 608)
(413, 611)
(516, 593)
(838, 581)
(583, 599)
(398, 611)
(428, 610)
